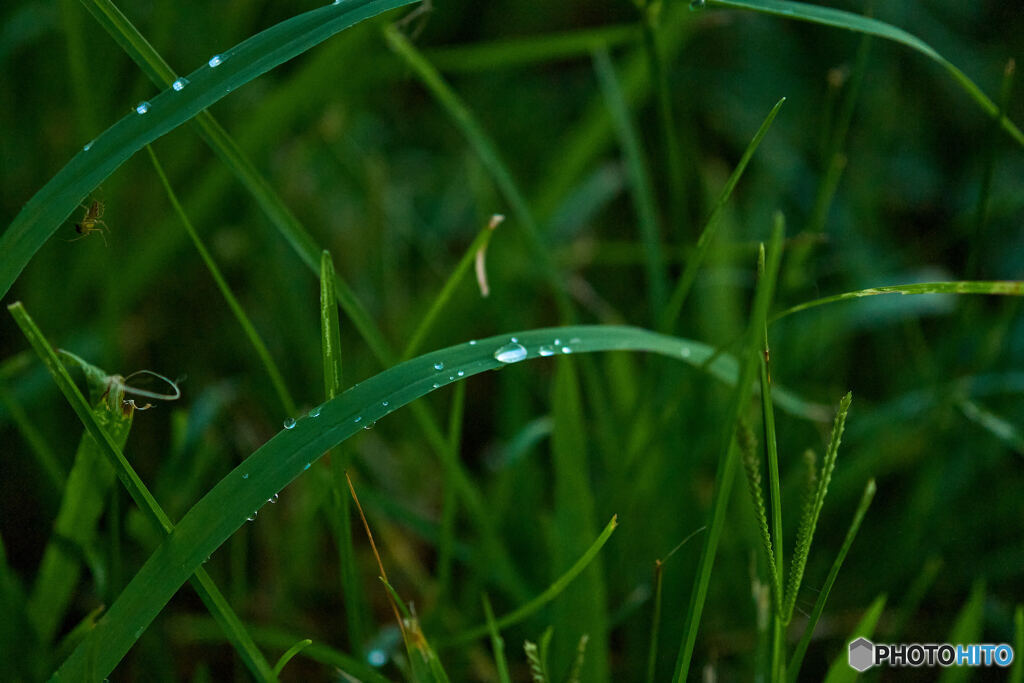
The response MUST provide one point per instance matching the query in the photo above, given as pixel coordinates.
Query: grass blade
(1017, 672)
(497, 644)
(860, 24)
(51, 205)
(488, 154)
(549, 594)
(203, 584)
(841, 671)
(694, 262)
(996, 287)
(727, 460)
(356, 610)
(40, 447)
(999, 427)
(793, 670)
(290, 653)
(752, 465)
(276, 379)
(640, 180)
(966, 629)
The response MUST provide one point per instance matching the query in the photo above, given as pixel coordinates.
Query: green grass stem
(497, 643)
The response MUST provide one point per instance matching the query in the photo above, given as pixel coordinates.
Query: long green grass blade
(840, 671)
(996, 287)
(695, 260)
(356, 609)
(639, 178)
(793, 670)
(202, 582)
(727, 460)
(549, 594)
(51, 205)
(276, 378)
(290, 653)
(497, 644)
(860, 24)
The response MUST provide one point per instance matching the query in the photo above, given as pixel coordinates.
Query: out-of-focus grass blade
(583, 606)
(196, 629)
(497, 644)
(44, 212)
(228, 504)
(276, 379)
(793, 670)
(640, 179)
(860, 24)
(768, 266)
(488, 153)
(207, 590)
(84, 498)
(16, 632)
(996, 287)
(521, 51)
(356, 610)
(994, 424)
(290, 653)
(966, 629)
(549, 594)
(841, 671)
(37, 443)
(426, 665)
(695, 260)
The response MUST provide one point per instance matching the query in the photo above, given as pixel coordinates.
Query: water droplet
(436, 385)
(358, 419)
(696, 5)
(375, 657)
(566, 349)
(307, 466)
(514, 340)
(439, 365)
(546, 351)
(142, 107)
(384, 403)
(461, 373)
(685, 352)
(252, 517)
(273, 498)
(179, 84)
(245, 476)
(451, 378)
(88, 146)
(289, 422)
(315, 412)
(216, 61)
(369, 426)
(558, 342)
(510, 353)
(472, 342)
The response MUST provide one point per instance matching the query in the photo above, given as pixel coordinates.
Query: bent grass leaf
(51, 205)
(283, 458)
(860, 24)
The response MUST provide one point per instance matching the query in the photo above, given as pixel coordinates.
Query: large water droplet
(289, 422)
(546, 351)
(439, 365)
(142, 107)
(216, 61)
(461, 373)
(510, 353)
(315, 412)
(273, 498)
(179, 84)
(384, 403)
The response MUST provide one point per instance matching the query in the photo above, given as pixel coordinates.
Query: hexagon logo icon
(862, 654)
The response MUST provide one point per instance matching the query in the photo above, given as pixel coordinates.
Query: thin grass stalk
(201, 581)
(640, 180)
(356, 609)
(793, 670)
(276, 378)
(497, 644)
(727, 461)
(670, 315)
(652, 648)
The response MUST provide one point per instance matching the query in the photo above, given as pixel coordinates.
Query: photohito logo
(864, 654)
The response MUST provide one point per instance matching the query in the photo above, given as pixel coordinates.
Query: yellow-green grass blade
(995, 287)
(841, 671)
(51, 205)
(290, 653)
(227, 506)
(861, 24)
(207, 590)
